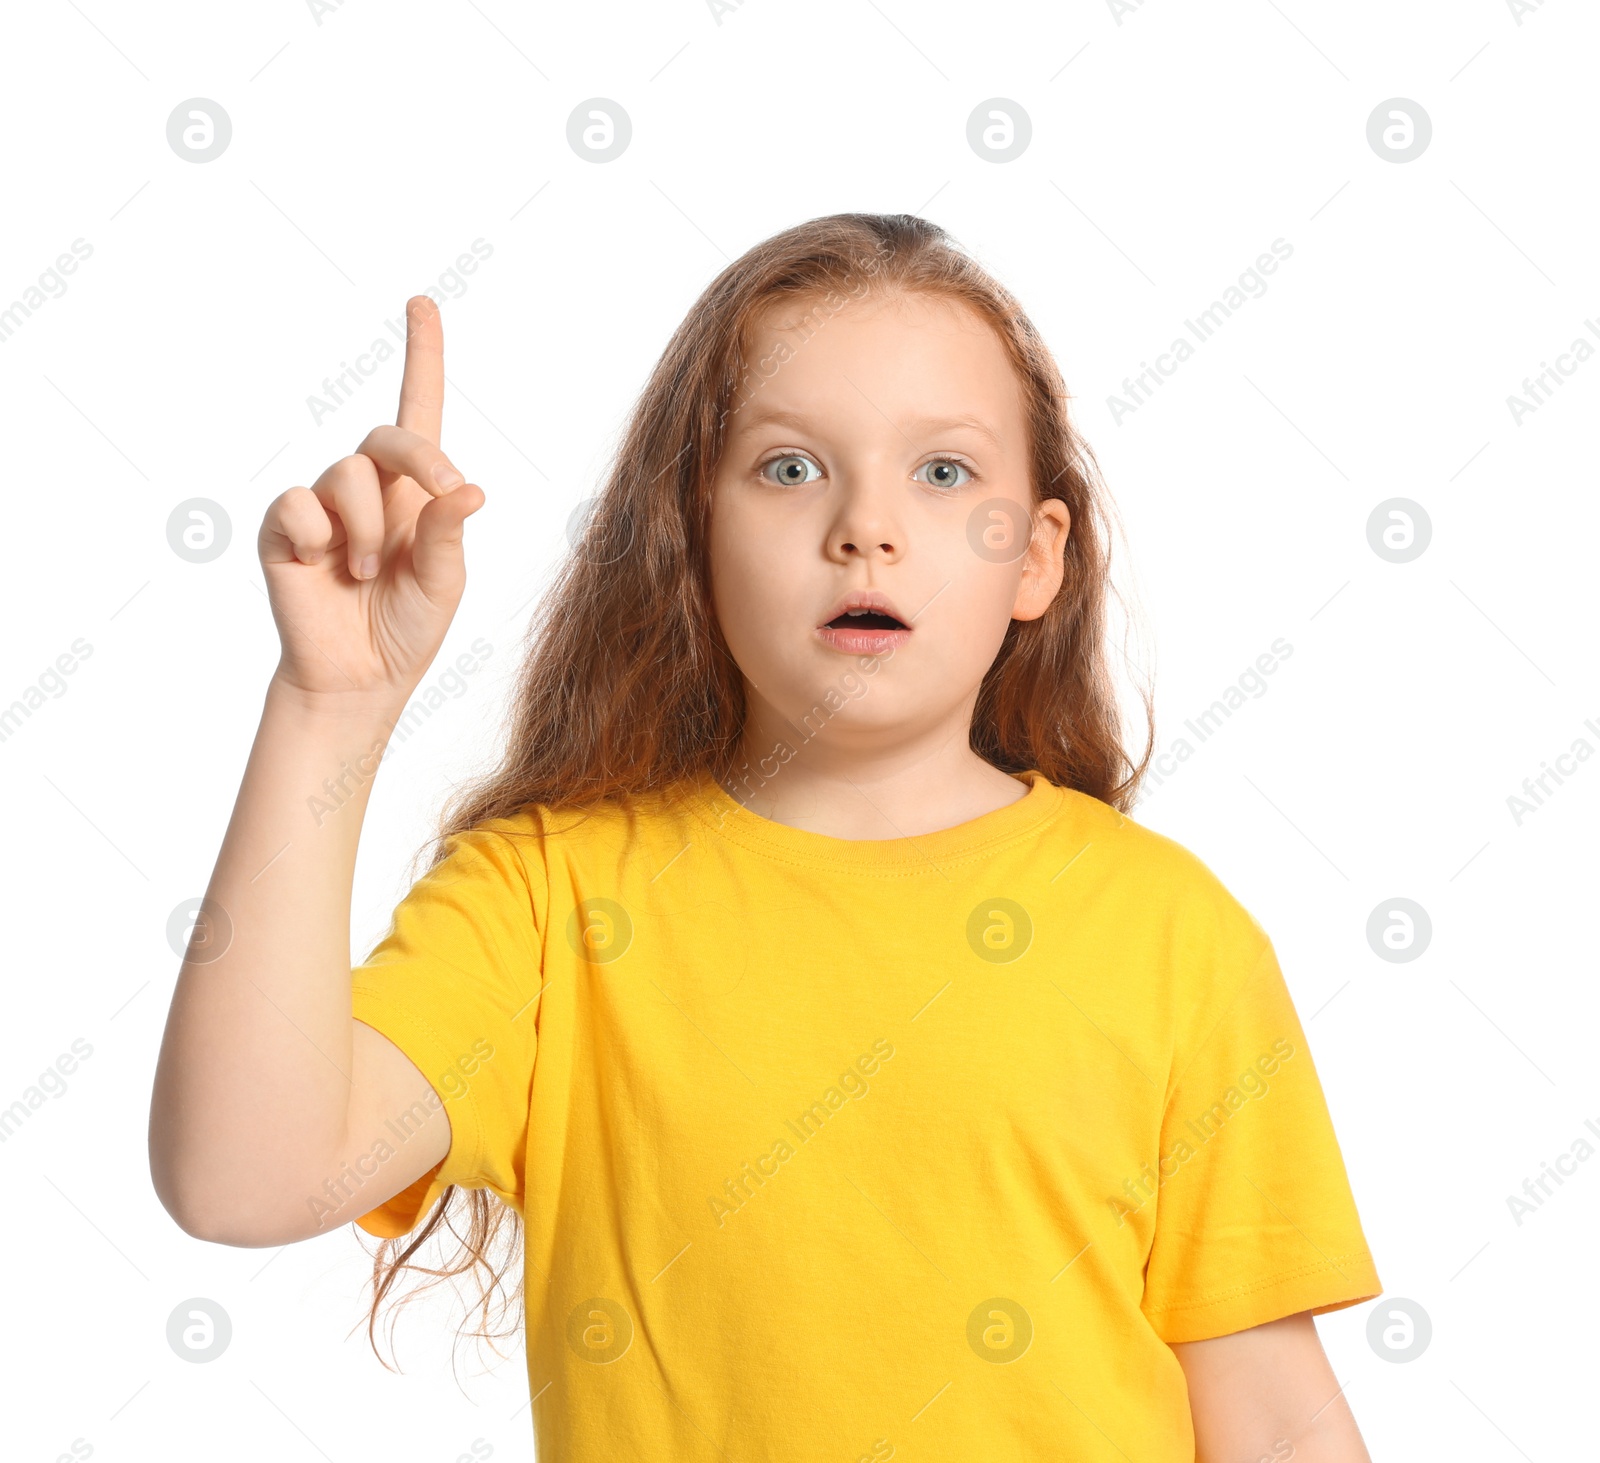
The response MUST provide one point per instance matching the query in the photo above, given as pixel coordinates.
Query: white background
(1168, 151)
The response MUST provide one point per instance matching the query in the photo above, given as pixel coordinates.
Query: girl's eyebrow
(777, 416)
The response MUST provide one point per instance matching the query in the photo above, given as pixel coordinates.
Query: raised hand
(364, 568)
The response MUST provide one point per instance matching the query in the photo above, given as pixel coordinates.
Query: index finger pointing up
(422, 385)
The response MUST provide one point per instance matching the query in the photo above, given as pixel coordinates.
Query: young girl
(861, 1081)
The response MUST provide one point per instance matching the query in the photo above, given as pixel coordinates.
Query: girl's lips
(862, 642)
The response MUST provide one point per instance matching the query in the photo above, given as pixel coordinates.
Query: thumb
(436, 553)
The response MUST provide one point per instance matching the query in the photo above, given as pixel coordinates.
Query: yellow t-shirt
(833, 1149)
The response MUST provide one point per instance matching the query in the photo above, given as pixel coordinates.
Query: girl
(858, 1078)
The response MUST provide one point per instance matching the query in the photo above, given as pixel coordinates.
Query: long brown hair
(627, 684)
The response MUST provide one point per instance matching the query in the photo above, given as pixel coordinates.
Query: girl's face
(885, 449)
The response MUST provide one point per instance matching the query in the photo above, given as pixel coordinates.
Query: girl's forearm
(252, 1085)
(1268, 1393)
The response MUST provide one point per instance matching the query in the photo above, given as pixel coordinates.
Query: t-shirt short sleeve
(455, 985)
(1255, 1219)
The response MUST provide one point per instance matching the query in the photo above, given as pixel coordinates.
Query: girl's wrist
(375, 709)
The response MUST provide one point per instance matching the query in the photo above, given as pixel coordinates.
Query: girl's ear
(1044, 564)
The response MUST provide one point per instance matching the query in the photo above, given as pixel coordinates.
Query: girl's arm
(1269, 1394)
(265, 1084)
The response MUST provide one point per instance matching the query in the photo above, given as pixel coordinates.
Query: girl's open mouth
(866, 632)
(865, 620)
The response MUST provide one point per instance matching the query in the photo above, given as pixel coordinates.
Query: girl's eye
(791, 470)
(944, 470)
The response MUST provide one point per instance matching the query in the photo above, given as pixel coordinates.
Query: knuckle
(350, 474)
(307, 523)
(340, 473)
(296, 503)
(358, 502)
